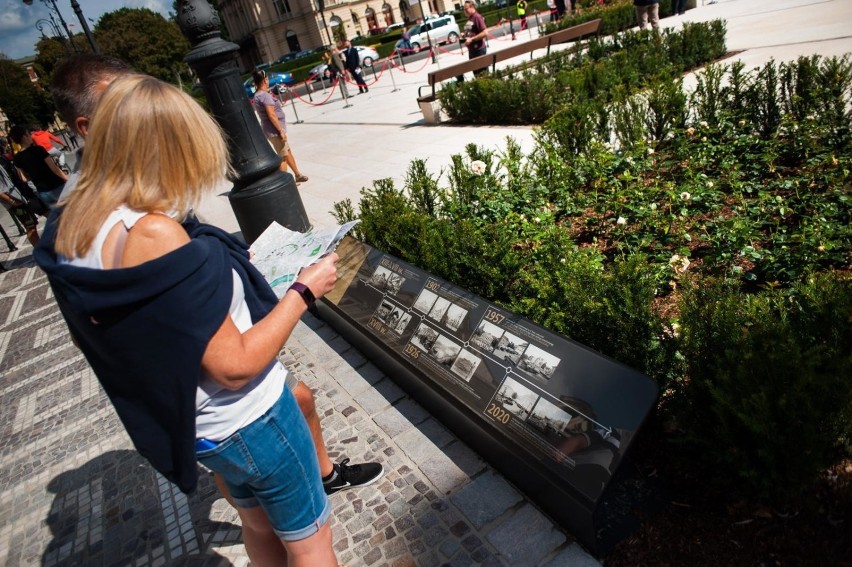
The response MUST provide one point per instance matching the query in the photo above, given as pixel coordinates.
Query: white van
(440, 29)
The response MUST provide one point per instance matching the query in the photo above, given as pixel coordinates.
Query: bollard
(293, 103)
(390, 72)
(343, 91)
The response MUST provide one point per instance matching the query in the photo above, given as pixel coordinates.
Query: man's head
(18, 134)
(469, 7)
(77, 86)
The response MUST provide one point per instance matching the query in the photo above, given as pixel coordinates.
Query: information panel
(574, 410)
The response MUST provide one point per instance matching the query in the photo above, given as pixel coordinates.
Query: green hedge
(710, 249)
(609, 69)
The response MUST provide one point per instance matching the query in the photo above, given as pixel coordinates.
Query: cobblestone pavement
(74, 492)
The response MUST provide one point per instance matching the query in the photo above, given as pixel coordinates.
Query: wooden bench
(491, 59)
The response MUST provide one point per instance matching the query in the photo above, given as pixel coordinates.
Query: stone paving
(74, 492)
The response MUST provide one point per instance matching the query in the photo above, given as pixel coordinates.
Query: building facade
(268, 29)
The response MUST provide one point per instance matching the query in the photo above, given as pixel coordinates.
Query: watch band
(305, 292)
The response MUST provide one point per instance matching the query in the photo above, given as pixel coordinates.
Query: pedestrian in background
(353, 65)
(274, 124)
(678, 7)
(180, 329)
(522, 13)
(647, 11)
(474, 34)
(38, 166)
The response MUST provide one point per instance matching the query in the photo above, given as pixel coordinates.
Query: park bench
(491, 59)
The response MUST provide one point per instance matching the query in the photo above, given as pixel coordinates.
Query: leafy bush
(703, 238)
(612, 69)
(768, 391)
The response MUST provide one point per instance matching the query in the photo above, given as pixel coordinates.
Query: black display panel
(571, 409)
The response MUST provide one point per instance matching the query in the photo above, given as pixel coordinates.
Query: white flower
(477, 167)
(653, 206)
(703, 124)
(621, 220)
(561, 260)
(710, 184)
(607, 145)
(650, 151)
(742, 122)
(679, 263)
(690, 130)
(685, 196)
(703, 138)
(675, 329)
(536, 219)
(670, 135)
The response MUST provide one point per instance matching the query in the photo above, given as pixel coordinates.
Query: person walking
(353, 65)
(474, 34)
(17, 204)
(180, 329)
(647, 11)
(274, 124)
(522, 13)
(38, 166)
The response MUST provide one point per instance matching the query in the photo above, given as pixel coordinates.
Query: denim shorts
(272, 463)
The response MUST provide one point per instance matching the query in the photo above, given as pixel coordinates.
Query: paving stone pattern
(74, 492)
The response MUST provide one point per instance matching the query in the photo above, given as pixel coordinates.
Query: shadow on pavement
(116, 509)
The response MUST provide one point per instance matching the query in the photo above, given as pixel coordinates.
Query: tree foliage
(50, 51)
(22, 102)
(145, 40)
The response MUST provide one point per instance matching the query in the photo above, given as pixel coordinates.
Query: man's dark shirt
(475, 25)
(31, 161)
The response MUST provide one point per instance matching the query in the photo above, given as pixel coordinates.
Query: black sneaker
(352, 476)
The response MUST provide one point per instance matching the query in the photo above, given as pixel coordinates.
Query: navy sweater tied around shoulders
(144, 331)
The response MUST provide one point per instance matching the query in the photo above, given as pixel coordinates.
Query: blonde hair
(150, 147)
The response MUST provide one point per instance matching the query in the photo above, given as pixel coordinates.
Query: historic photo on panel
(465, 365)
(386, 281)
(537, 362)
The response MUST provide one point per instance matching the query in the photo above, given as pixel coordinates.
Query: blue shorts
(272, 463)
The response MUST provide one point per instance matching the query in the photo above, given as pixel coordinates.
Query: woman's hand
(320, 277)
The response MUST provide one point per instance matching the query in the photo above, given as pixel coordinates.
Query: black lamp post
(321, 8)
(55, 31)
(79, 11)
(428, 37)
(262, 193)
(51, 5)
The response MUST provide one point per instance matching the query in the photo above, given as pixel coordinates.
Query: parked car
(441, 29)
(367, 55)
(286, 57)
(320, 72)
(394, 27)
(275, 80)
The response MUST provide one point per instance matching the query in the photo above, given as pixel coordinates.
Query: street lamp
(56, 32)
(262, 193)
(321, 8)
(428, 37)
(51, 5)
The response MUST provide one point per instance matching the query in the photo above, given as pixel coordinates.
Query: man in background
(474, 34)
(353, 65)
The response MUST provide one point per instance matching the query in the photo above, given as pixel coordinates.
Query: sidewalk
(73, 491)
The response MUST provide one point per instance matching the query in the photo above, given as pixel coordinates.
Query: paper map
(280, 253)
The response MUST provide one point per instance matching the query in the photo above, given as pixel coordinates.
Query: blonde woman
(274, 124)
(179, 328)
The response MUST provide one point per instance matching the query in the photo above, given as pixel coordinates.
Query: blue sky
(18, 34)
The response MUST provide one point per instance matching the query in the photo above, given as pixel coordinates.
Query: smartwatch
(305, 292)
